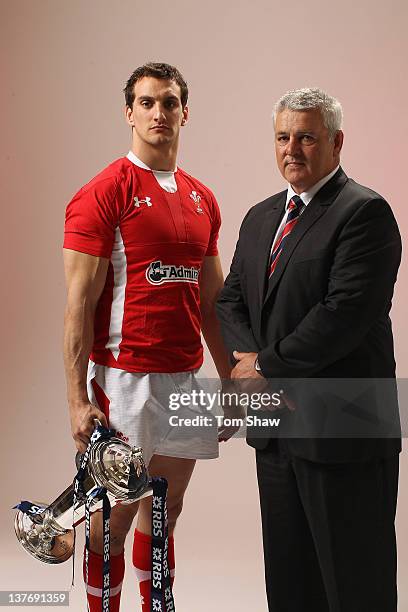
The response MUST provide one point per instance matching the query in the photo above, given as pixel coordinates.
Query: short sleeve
(91, 218)
(212, 248)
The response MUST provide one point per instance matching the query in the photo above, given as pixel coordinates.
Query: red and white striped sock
(94, 587)
(142, 562)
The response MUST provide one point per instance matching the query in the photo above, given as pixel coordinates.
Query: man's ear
(338, 141)
(184, 118)
(129, 116)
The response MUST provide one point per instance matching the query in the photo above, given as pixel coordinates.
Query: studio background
(64, 66)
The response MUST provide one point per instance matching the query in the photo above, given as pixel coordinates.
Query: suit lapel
(270, 224)
(314, 210)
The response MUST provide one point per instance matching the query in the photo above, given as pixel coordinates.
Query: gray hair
(309, 98)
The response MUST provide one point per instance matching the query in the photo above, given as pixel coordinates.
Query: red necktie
(294, 208)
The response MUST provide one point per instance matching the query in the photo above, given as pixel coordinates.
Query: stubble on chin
(290, 175)
(295, 172)
(158, 139)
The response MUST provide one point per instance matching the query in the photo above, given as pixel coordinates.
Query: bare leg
(177, 472)
(121, 520)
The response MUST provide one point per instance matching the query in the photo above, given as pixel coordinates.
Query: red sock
(94, 588)
(142, 561)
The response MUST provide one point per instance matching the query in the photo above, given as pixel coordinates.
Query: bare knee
(177, 472)
(173, 511)
(144, 519)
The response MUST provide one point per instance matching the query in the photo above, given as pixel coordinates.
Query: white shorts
(137, 408)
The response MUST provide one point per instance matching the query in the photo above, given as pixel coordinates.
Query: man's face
(157, 114)
(304, 152)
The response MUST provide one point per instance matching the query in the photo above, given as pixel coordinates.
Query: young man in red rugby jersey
(143, 275)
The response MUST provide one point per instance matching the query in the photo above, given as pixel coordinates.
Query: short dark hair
(157, 70)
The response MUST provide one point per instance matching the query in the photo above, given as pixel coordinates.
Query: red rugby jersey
(148, 316)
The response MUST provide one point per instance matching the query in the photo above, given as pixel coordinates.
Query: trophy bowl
(45, 540)
(47, 531)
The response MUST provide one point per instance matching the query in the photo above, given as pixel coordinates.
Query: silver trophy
(47, 533)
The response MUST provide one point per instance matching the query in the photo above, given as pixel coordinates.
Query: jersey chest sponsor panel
(148, 316)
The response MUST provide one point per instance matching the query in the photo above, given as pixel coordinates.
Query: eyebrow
(299, 133)
(169, 96)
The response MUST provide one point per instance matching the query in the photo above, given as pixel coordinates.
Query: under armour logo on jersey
(197, 199)
(147, 201)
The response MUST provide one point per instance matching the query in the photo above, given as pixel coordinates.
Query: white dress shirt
(306, 197)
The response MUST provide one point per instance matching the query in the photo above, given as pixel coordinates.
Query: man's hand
(231, 409)
(225, 432)
(244, 373)
(253, 381)
(83, 423)
(245, 368)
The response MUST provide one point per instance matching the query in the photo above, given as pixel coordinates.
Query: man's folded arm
(359, 291)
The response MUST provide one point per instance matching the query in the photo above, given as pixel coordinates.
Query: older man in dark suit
(308, 297)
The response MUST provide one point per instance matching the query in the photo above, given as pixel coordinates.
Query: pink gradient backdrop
(64, 67)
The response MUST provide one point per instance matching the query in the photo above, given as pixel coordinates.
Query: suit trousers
(328, 532)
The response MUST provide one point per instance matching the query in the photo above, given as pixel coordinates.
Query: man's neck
(312, 189)
(156, 158)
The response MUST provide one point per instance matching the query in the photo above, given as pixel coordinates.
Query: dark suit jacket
(325, 311)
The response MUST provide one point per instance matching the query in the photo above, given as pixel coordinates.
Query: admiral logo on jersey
(157, 273)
